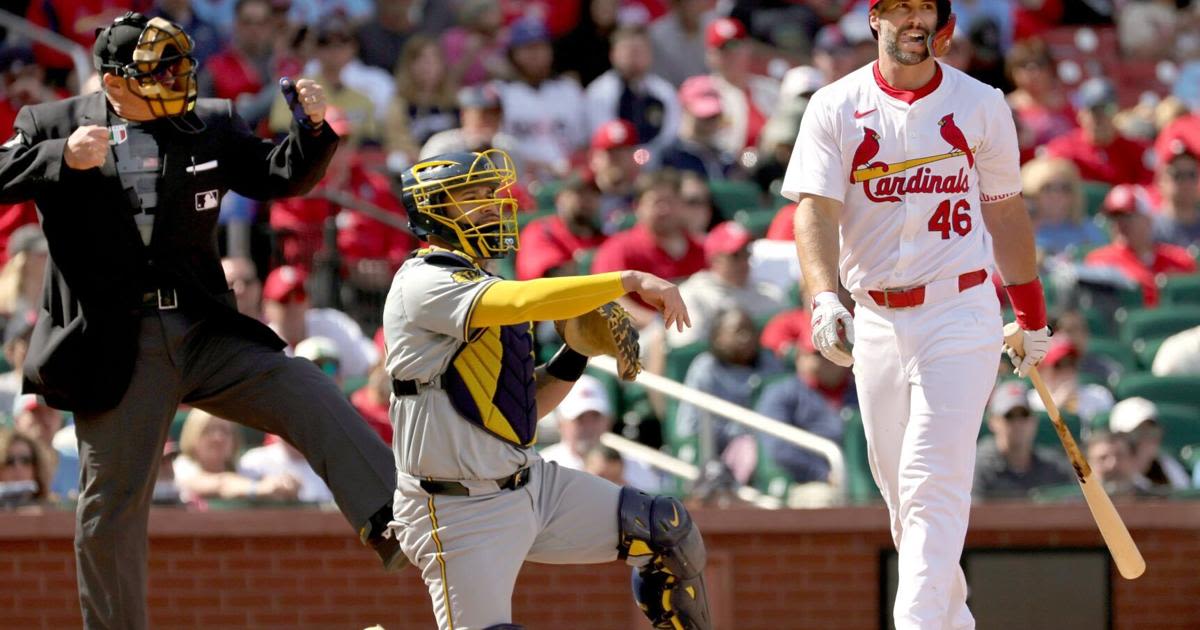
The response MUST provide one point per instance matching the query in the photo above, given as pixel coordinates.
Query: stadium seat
(769, 478)
(860, 486)
(1113, 349)
(1183, 390)
(1093, 196)
(1190, 455)
(1057, 492)
(731, 195)
(1177, 289)
(1157, 323)
(755, 220)
(583, 261)
(353, 384)
(1047, 435)
(679, 359)
(1146, 349)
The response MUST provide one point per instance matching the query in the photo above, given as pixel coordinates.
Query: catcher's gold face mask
(473, 205)
(163, 71)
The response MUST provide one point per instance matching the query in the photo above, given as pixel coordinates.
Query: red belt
(915, 296)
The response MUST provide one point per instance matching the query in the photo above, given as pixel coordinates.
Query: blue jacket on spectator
(793, 402)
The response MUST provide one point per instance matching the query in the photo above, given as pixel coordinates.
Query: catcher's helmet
(939, 40)
(431, 192)
(155, 55)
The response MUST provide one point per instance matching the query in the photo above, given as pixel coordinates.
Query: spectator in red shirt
(299, 221)
(659, 243)
(549, 244)
(1097, 148)
(1134, 250)
(1184, 130)
(372, 400)
(77, 20)
(611, 158)
(242, 71)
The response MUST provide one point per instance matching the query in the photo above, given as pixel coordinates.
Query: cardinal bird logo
(865, 152)
(953, 135)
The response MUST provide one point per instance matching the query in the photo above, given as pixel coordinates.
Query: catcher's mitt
(606, 330)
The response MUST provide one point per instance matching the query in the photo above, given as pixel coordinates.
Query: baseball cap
(1058, 351)
(27, 238)
(800, 81)
(334, 29)
(527, 31)
(1124, 199)
(726, 238)
(1130, 413)
(482, 96)
(318, 348)
(588, 394)
(285, 283)
(1007, 396)
(614, 134)
(1095, 92)
(724, 30)
(699, 97)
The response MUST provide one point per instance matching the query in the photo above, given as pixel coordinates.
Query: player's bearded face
(905, 31)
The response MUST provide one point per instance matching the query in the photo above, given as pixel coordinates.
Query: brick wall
(768, 570)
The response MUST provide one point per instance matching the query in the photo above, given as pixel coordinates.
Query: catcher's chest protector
(490, 383)
(490, 380)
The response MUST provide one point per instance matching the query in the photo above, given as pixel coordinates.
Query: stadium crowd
(653, 135)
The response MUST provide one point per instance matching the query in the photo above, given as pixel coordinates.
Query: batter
(474, 500)
(908, 181)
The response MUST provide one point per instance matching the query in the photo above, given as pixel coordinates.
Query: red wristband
(1029, 303)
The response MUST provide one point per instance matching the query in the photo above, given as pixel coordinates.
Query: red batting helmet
(939, 40)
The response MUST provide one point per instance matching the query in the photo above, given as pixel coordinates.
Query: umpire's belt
(511, 482)
(934, 291)
(161, 299)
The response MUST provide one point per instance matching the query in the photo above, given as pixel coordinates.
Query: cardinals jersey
(911, 170)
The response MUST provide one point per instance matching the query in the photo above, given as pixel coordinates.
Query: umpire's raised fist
(86, 148)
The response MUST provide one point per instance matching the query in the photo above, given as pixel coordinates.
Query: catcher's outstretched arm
(509, 302)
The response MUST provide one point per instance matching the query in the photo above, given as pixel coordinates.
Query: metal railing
(741, 415)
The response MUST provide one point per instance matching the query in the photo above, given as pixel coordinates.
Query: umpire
(136, 316)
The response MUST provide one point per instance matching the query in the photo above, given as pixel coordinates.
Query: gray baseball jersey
(473, 420)
(450, 429)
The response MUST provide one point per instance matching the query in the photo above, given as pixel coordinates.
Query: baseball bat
(1120, 544)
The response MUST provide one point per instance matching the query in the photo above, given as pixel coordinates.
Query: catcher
(474, 500)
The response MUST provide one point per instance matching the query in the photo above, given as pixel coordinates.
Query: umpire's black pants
(184, 360)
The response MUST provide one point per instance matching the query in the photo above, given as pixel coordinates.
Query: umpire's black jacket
(85, 342)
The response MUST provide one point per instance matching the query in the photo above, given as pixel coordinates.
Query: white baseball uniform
(911, 170)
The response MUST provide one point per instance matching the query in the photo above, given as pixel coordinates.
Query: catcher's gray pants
(183, 360)
(470, 548)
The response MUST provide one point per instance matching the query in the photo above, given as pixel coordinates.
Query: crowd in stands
(653, 135)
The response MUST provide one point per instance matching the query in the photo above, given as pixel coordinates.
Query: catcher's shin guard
(658, 538)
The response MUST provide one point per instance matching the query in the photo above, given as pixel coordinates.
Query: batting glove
(1035, 344)
(833, 329)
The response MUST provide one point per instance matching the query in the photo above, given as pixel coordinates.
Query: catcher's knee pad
(657, 537)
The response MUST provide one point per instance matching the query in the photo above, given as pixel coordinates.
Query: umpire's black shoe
(376, 534)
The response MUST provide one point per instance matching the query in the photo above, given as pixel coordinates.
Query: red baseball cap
(615, 134)
(723, 31)
(726, 238)
(1123, 199)
(285, 284)
(1059, 351)
(699, 96)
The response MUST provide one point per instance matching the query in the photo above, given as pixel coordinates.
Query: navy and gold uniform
(474, 500)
